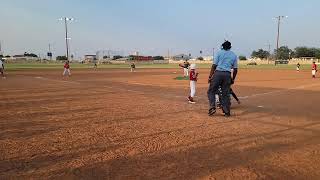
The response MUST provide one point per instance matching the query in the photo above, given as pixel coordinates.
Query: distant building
(90, 58)
(108, 54)
(180, 57)
(19, 56)
(140, 58)
(22, 57)
(308, 58)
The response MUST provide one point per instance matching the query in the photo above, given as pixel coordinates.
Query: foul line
(279, 91)
(61, 81)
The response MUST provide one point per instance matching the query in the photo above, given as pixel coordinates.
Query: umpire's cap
(226, 45)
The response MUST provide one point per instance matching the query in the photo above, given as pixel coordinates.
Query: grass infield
(181, 78)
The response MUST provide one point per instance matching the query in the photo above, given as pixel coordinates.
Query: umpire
(220, 75)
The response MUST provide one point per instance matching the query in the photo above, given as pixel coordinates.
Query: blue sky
(156, 26)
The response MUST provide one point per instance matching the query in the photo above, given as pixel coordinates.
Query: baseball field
(113, 124)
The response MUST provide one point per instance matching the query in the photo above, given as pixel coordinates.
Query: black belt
(223, 71)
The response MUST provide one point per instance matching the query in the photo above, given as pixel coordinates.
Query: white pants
(314, 72)
(185, 72)
(298, 69)
(193, 85)
(66, 71)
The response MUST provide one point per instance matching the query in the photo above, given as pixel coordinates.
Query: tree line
(286, 53)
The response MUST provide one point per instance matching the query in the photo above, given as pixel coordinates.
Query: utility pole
(67, 42)
(50, 53)
(66, 19)
(278, 34)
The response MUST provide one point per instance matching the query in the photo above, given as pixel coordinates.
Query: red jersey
(67, 66)
(314, 67)
(193, 75)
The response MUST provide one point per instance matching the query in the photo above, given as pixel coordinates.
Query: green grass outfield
(39, 66)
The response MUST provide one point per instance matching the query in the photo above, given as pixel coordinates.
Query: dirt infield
(113, 124)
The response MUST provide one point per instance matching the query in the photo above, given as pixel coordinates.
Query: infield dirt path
(112, 124)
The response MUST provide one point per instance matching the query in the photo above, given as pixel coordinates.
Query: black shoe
(227, 115)
(212, 111)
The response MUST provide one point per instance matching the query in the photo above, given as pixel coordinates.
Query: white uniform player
(2, 69)
(193, 83)
(314, 69)
(186, 69)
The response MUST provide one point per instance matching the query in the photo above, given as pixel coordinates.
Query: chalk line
(53, 80)
(279, 91)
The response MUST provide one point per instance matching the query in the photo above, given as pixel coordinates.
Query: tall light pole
(278, 34)
(66, 19)
(49, 52)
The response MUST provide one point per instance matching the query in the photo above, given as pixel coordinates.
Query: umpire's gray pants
(223, 79)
